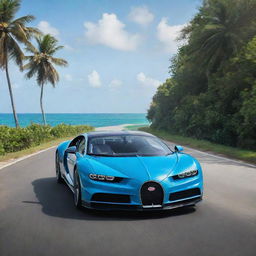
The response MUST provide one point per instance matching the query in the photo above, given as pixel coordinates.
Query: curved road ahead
(37, 216)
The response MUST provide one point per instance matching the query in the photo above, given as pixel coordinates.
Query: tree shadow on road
(57, 201)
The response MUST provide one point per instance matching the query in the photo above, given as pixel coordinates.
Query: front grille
(185, 194)
(151, 193)
(112, 198)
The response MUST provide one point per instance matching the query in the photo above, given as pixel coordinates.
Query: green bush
(16, 139)
(1, 149)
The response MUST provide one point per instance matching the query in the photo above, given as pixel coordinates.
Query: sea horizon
(93, 119)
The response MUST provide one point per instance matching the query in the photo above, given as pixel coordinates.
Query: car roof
(116, 133)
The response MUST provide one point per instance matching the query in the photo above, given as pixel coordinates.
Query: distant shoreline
(100, 113)
(92, 119)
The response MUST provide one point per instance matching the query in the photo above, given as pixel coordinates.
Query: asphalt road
(37, 216)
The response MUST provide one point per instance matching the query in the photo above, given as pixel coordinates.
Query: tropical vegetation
(211, 94)
(16, 139)
(41, 64)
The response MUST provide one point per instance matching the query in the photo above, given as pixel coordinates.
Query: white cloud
(147, 81)
(141, 15)
(111, 32)
(94, 79)
(168, 35)
(115, 83)
(46, 28)
(68, 77)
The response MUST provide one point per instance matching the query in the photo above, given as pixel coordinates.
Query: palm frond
(18, 32)
(41, 74)
(31, 48)
(55, 49)
(8, 9)
(14, 51)
(53, 77)
(32, 32)
(32, 69)
(59, 61)
(24, 19)
(22, 33)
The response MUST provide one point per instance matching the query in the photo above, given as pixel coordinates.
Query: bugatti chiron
(128, 170)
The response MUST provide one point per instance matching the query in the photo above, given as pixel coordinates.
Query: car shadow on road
(57, 201)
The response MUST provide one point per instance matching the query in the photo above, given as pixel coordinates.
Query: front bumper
(131, 188)
(125, 207)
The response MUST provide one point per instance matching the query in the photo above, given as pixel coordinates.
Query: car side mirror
(178, 148)
(71, 150)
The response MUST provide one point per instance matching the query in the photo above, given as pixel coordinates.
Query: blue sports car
(128, 170)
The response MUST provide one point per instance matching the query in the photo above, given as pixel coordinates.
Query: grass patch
(235, 153)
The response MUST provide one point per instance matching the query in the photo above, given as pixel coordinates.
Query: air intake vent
(112, 198)
(185, 194)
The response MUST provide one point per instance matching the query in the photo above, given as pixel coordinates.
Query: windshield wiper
(90, 154)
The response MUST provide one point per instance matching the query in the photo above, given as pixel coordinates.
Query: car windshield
(127, 145)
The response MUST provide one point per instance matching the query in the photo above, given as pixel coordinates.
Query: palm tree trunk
(41, 103)
(11, 94)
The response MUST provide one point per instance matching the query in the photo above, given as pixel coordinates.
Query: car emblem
(151, 189)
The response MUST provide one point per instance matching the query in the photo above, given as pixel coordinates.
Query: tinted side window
(76, 141)
(81, 146)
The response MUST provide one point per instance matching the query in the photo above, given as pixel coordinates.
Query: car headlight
(100, 177)
(185, 174)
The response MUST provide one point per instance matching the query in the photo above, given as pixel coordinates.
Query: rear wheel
(57, 168)
(77, 191)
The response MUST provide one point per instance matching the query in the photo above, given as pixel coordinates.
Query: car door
(79, 143)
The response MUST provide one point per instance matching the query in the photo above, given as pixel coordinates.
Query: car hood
(140, 168)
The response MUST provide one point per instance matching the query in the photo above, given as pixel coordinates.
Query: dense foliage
(15, 139)
(212, 90)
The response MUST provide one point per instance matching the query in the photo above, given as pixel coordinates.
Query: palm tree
(12, 32)
(217, 32)
(41, 64)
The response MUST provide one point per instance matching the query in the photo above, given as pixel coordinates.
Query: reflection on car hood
(139, 167)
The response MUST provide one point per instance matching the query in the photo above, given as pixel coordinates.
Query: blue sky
(118, 53)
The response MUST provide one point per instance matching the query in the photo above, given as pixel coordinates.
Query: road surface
(37, 216)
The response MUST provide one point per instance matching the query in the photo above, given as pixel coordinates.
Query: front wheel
(77, 191)
(57, 168)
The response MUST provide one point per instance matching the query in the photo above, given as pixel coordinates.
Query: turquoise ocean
(96, 120)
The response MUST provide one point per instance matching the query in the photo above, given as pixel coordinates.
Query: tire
(57, 168)
(77, 191)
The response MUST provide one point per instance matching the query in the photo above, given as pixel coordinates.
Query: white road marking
(223, 158)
